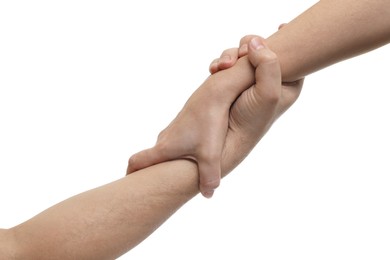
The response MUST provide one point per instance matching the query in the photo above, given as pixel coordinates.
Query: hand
(199, 130)
(198, 133)
(230, 56)
(257, 108)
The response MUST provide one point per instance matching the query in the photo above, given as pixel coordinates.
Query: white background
(85, 84)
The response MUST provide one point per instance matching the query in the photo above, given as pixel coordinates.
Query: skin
(38, 238)
(328, 32)
(106, 222)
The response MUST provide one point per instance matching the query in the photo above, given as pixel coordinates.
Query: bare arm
(106, 222)
(328, 32)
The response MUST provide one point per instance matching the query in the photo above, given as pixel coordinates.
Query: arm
(327, 33)
(106, 222)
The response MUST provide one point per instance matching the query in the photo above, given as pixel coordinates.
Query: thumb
(267, 71)
(209, 176)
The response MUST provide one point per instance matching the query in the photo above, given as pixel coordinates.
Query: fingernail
(256, 43)
(208, 193)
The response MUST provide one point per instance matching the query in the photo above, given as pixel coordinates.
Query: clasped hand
(227, 115)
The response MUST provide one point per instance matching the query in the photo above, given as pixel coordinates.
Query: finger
(246, 39)
(281, 26)
(147, 158)
(268, 73)
(243, 50)
(213, 68)
(209, 177)
(228, 58)
(142, 160)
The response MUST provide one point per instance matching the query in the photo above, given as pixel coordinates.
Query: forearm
(327, 33)
(106, 222)
(7, 245)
